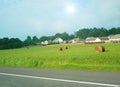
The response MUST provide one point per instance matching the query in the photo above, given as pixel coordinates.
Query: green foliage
(64, 36)
(43, 38)
(95, 32)
(7, 43)
(28, 41)
(35, 39)
(72, 36)
(76, 57)
(114, 30)
(83, 33)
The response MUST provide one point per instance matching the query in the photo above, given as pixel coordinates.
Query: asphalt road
(35, 77)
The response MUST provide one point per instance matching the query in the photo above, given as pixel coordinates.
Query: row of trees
(96, 32)
(84, 33)
(7, 43)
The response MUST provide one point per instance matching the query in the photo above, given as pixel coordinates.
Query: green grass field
(80, 57)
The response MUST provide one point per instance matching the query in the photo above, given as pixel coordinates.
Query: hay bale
(100, 49)
(66, 47)
(60, 48)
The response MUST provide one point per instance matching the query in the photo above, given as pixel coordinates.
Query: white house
(75, 40)
(44, 42)
(58, 40)
(104, 39)
(92, 40)
(115, 38)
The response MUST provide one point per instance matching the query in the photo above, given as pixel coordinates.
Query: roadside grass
(80, 57)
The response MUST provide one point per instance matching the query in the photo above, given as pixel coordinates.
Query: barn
(58, 40)
(93, 40)
(115, 38)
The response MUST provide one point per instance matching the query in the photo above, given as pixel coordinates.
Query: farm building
(58, 40)
(75, 40)
(104, 39)
(115, 38)
(92, 40)
(44, 43)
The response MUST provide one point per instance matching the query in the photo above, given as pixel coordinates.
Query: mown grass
(81, 57)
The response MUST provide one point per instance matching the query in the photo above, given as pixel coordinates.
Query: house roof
(58, 40)
(90, 39)
(76, 39)
(115, 36)
(104, 38)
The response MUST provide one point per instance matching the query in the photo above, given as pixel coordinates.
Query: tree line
(10, 43)
(96, 32)
(84, 33)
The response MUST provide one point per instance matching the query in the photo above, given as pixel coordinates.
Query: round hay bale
(60, 49)
(100, 49)
(66, 47)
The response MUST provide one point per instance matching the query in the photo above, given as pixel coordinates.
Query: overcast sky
(20, 18)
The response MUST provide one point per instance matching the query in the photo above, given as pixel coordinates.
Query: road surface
(35, 77)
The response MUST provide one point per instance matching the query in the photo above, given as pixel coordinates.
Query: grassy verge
(80, 57)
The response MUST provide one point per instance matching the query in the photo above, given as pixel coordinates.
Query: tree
(72, 36)
(118, 30)
(35, 40)
(103, 32)
(11, 43)
(50, 37)
(18, 43)
(43, 38)
(58, 35)
(99, 32)
(15, 43)
(83, 33)
(28, 41)
(65, 36)
(5, 43)
(114, 31)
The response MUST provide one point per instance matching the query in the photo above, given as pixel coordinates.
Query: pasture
(77, 56)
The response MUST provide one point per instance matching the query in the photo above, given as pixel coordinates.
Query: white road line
(62, 80)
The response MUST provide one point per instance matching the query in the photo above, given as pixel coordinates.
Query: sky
(20, 18)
